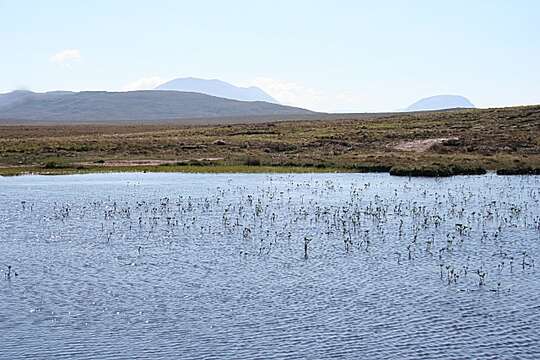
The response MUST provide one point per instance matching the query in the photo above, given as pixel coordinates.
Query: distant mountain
(13, 97)
(133, 105)
(441, 102)
(217, 88)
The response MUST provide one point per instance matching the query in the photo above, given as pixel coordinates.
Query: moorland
(461, 141)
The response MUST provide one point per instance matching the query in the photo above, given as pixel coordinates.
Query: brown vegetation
(446, 143)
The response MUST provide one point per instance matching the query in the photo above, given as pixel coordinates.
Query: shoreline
(420, 171)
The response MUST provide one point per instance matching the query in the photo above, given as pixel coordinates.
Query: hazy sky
(324, 55)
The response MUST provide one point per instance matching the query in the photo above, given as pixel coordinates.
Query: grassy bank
(423, 171)
(217, 169)
(409, 144)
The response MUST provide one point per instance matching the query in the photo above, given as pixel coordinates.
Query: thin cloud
(66, 56)
(145, 83)
(295, 94)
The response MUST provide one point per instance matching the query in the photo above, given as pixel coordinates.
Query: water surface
(114, 266)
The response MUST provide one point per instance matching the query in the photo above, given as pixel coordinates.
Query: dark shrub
(436, 170)
(54, 165)
(366, 168)
(519, 171)
(252, 162)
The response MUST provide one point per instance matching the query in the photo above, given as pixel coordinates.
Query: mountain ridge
(142, 105)
(218, 88)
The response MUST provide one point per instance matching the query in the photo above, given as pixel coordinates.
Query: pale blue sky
(325, 55)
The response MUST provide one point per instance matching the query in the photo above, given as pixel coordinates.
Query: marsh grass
(455, 233)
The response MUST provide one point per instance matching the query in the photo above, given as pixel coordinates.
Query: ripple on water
(195, 266)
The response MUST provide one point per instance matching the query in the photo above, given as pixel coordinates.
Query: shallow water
(192, 266)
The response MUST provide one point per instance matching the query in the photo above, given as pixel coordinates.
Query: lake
(260, 266)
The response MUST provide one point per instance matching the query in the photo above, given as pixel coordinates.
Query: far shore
(434, 144)
(250, 169)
